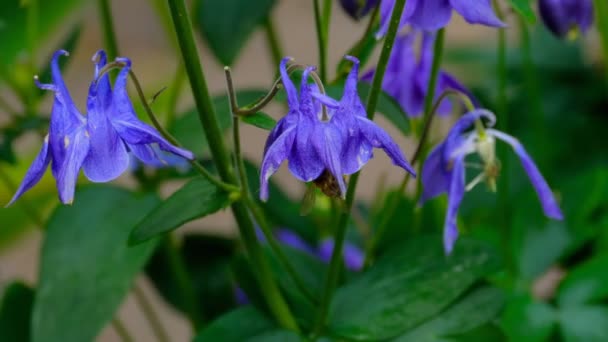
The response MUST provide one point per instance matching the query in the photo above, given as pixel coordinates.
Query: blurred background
(143, 38)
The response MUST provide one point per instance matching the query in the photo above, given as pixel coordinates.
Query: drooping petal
(35, 172)
(378, 138)
(108, 157)
(328, 143)
(547, 200)
(561, 16)
(435, 175)
(353, 256)
(290, 89)
(124, 120)
(430, 15)
(274, 157)
(455, 195)
(289, 238)
(477, 12)
(104, 89)
(454, 139)
(76, 145)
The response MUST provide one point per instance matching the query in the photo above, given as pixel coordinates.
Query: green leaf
(475, 309)
(527, 320)
(260, 120)
(197, 198)
(207, 262)
(187, 127)
(523, 8)
(228, 24)
(586, 283)
(238, 325)
(584, 323)
(86, 267)
(407, 286)
(14, 32)
(16, 312)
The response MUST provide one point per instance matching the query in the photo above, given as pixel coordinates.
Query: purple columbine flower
(407, 75)
(115, 129)
(98, 143)
(431, 15)
(65, 146)
(339, 144)
(358, 9)
(444, 169)
(565, 18)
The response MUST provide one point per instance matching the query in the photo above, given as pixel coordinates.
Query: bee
(327, 183)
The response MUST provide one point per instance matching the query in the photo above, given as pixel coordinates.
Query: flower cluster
(340, 143)
(97, 143)
(444, 169)
(565, 18)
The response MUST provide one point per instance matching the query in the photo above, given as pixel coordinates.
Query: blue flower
(340, 143)
(65, 146)
(98, 143)
(566, 17)
(407, 77)
(115, 129)
(431, 15)
(444, 169)
(357, 9)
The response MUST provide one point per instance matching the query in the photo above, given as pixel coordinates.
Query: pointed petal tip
(353, 59)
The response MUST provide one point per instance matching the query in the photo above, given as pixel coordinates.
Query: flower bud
(358, 9)
(566, 18)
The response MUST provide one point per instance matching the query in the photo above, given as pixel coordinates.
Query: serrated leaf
(197, 198)
(401, 290)
(16, 312)
(260, 120)
(523, 8)
(228, 24)
(86, 267)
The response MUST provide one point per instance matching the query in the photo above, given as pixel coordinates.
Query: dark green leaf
(472, 311)
(228, 24)
(197, 198)
(486, 332)
(401, 290)
(16, 312)
(523, 8)
(527, 320)
(187, 127)
(14, 32)
(260, 120)
(86, 267)
(207, 261)
(586, 283)
(584, 323)
(237, 326)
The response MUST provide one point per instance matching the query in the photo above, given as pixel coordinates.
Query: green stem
(601, 18)
(121, 330)
(273, 41)
(151, 316)
(321, 40)
(336, 263)
(208, 118)
(501, 71)
(437, 57)
(190, 298)
(109, 36)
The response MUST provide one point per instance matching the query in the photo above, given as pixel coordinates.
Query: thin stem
(155, 322)
(190, 298)
(208, 118)
(273, 41)
(336, 263)
(321, 40)
(201, 169)
(29, 209)
(121, 330)
(437, 56)
(601, 17)
(501, 71)
(109, 36)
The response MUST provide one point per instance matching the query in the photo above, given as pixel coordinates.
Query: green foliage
(197, 198)
(86, 267)
(523, 8)
(15, 312)
(260, 120)
(228, 24)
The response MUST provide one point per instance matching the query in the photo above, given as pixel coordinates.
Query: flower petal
(290, 89)
(35, 172)
(430, 15)
(455, 195)
(454, 139)
(328, 144)
(353, 256)
(291, 239)
(435, 175)
(477, 12)
(274, 157)
(76, 145)
(541, 187)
